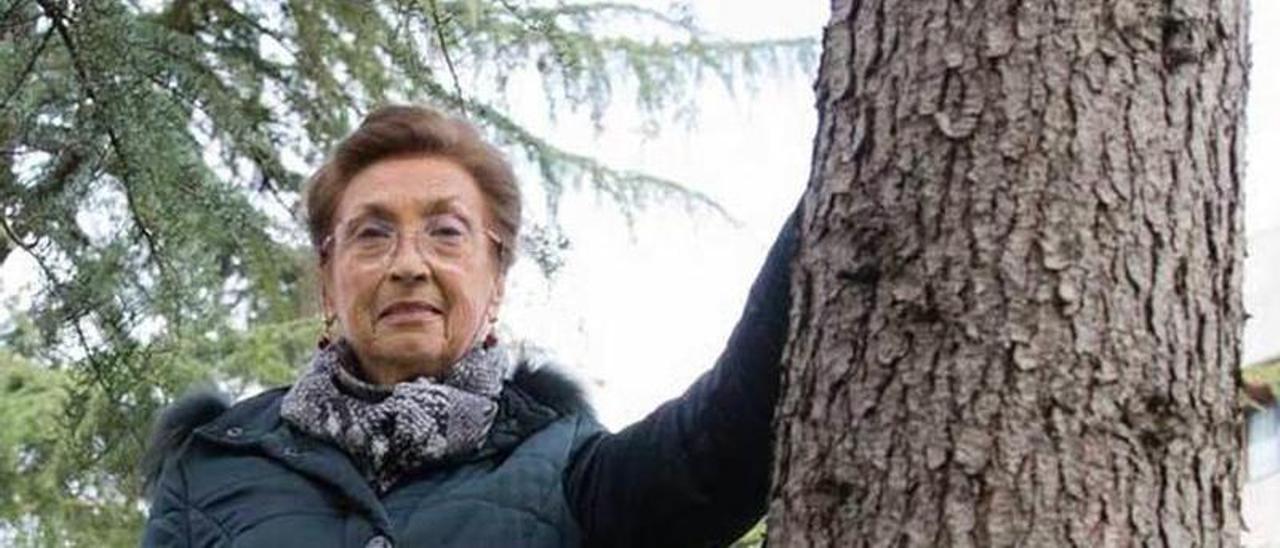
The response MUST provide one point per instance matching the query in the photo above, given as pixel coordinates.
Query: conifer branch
(12, 8)
(13, 237)
(26, 70)
(58, 23)
(97, 369)
(620, 185)
(254, 24)
(599, 9)
(444, 49)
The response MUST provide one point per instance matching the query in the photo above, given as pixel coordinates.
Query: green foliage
(1264, 374)
(151, 156)
(754, 538)
(54, 492)
(68, 453)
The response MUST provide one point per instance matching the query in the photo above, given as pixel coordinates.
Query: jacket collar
(535, 396)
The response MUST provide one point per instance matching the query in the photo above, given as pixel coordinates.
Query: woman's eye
(372, 232)
(446, 229)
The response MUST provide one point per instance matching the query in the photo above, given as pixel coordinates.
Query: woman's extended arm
(695, 472)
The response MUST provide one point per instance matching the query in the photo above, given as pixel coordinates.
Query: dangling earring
(491, 338)
(326, 336)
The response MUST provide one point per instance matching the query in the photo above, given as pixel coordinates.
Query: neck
(384, 372)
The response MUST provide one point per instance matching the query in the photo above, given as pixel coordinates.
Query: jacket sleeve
(695, 472)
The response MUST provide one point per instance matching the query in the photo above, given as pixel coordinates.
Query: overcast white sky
(644, 312)
(1262, 193)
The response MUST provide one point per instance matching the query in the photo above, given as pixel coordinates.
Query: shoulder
(537, 395)
(174, 425)
(552, 385)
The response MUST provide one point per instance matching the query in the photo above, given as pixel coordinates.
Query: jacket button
(378, 542)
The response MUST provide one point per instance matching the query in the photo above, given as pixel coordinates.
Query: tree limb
(26, 70)
(58, 22)
(444, 49)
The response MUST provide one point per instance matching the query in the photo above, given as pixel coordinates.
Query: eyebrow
(371, 210)
(450, 204)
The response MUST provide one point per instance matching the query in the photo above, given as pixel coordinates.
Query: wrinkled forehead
(402, 189)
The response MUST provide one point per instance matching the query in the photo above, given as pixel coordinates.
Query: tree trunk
(1017, 304)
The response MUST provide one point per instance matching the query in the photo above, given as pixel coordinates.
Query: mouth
(409, 310)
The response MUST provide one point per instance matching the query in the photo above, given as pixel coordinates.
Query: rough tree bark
(1017, 304)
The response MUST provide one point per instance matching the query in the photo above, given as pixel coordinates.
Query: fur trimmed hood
(537, 392)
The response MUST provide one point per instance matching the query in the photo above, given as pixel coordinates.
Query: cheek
(353, 295)
(467, 297)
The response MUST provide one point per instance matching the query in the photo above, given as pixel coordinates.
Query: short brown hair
(400, 130)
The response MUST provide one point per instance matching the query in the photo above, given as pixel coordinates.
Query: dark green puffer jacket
(692, 473)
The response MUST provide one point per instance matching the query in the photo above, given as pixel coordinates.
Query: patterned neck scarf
(389, 431)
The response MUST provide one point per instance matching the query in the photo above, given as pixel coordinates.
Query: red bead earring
(491, 338)
(326, 336)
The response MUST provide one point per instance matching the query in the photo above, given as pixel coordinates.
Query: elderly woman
(413, 427)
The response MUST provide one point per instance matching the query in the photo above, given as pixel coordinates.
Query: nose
(408, 262)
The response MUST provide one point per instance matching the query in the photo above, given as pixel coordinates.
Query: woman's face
(412, 273)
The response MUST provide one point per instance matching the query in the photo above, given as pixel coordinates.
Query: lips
(409, 309)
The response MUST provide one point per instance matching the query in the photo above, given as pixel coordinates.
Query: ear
(327, 306)
(495, 298)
